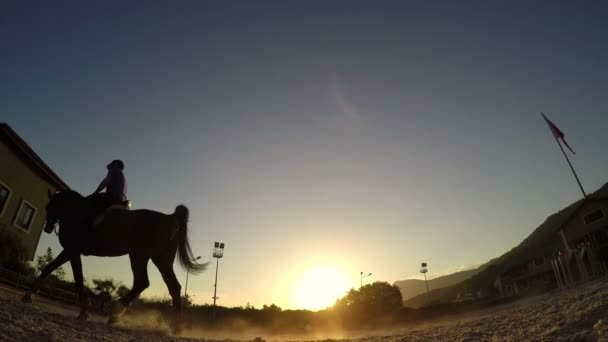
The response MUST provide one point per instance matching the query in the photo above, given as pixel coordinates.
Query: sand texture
(578, 314)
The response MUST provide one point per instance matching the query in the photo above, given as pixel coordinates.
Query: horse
(142, 234)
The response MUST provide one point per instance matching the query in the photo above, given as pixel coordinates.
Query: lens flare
(319, 288)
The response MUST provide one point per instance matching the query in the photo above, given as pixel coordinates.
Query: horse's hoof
(115, 312)
(117, 309)
(176, 328)
(27, 298)
(176, 331)
(175, 322)
(83, 316)
(112, 320)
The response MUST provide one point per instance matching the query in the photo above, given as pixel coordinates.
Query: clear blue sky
(368, 136)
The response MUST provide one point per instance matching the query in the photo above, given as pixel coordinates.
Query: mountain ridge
(543, 240)
(411, 288)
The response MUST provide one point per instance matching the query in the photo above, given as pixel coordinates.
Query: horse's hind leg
(61, 259)
(165, 266)
(139, 266)
(83, 299)
(164, 263)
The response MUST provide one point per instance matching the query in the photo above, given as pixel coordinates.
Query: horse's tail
(184, 252)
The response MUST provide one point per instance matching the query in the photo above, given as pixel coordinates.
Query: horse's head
(53, 211)
(61, 206)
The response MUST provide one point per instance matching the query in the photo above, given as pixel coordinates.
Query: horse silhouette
(142, 234)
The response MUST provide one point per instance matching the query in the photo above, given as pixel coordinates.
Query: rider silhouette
(115, 184)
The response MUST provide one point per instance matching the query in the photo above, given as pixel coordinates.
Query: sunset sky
(317, 139)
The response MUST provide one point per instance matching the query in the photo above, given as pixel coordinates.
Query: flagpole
(571, 167)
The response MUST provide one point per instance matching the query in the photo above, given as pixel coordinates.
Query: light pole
(363, 276)
(187, 273)
(423, 270)
(218, 252)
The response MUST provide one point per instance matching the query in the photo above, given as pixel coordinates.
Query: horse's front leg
(61, 259)
(139, 266)
(83, 298)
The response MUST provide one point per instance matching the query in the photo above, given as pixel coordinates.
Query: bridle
(54, 229)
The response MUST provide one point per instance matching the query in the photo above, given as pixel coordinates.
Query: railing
(13, 279)
(23, 282)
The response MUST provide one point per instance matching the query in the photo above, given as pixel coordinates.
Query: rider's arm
(104, 183)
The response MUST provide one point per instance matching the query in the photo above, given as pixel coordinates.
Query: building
(536, 275)
(24, 184)
(575, 251)
(584, 237)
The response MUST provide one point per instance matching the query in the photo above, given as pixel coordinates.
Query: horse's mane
(80, 204)
(72, 194)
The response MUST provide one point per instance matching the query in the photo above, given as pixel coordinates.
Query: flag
(556, 132)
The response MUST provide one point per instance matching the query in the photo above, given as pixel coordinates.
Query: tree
(381, 297)
(370, 302)
(272, 308)
(186, 300)
(44, 260)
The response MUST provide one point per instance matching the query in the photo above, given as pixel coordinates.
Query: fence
(23, 282)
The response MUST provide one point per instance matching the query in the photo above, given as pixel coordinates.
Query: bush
(12, 253)
(46, 259)
(104, 290)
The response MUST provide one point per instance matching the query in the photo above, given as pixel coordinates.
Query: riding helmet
(116, 163)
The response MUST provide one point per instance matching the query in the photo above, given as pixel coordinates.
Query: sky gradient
(365, 136)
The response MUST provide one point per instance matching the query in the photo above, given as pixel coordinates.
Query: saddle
(124, 205)
(88, 234)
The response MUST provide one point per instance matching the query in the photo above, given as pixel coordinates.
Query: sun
(319, 287)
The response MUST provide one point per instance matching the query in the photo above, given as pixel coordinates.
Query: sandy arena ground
(579, 314)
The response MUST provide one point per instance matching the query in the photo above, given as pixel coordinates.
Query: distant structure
(423, 270)
(578, 251)
(363, 277)
(24, 184)
(218, 253)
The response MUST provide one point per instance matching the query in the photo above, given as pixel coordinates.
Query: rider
(115, 184)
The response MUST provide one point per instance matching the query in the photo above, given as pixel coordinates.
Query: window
(25, 216)
(539, 261)
(5, 194)
(595, 215)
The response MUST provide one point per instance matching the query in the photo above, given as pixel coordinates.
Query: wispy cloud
(348, 113)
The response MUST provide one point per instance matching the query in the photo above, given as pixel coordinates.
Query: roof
(20, 146)
(600, 195)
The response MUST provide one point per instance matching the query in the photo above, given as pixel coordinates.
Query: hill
(544, 240)
(413, 287)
